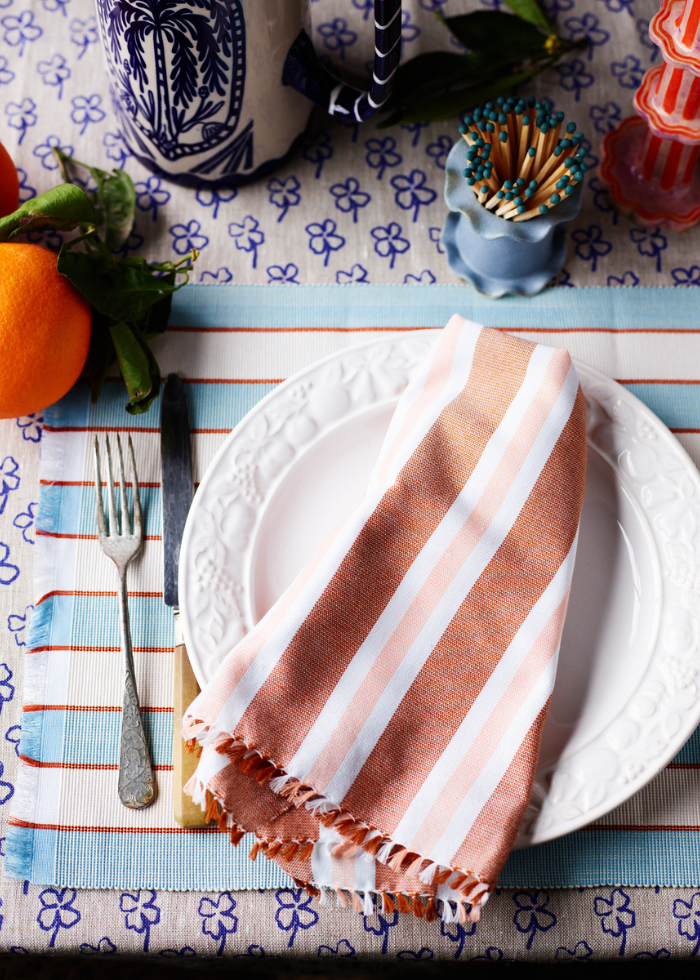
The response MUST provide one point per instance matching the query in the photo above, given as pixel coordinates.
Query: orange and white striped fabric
(379, 729)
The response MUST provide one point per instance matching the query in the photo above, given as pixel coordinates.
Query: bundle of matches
(519, 162)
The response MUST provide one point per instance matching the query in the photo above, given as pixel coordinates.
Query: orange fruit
(44, 330)
(9, 184)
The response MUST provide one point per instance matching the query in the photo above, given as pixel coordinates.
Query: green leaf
(133, 361)
(531, 11)
(156, 320)
(139, 407)
(430, 72)
(120, 289)
(493, 34)
(451, 104)
(116, 206)
(60, 209)
(101, 354)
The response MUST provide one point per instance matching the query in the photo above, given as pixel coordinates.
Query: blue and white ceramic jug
(220, 91)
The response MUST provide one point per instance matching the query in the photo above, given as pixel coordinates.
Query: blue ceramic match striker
(499, 257)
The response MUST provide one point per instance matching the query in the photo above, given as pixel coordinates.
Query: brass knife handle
(185, 690)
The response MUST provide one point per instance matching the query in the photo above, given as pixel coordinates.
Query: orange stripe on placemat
(657, 381)
(411, 329)
(276, 330)
(97, 428)
(87, 537)
(222, 381)
(37, 764)
(103, 594)
(686, 431)
(89, 707)
(683, 765)
(685, 827)
(84, 649)
(117, 428)
(30, 825)
(232, 381)
(91, 483)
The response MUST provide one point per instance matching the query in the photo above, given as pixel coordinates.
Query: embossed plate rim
(562, 801)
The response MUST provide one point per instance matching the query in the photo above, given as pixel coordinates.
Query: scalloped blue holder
(498, 257)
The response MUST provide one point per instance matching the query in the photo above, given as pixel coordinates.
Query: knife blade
(176, 497)
(176, 463)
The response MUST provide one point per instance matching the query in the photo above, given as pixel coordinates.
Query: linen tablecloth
(312, 223)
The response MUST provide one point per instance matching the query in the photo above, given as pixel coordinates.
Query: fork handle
(136, 785)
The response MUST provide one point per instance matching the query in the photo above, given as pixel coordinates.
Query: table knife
(176, 464)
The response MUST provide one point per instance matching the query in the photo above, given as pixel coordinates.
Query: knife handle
(186, 689)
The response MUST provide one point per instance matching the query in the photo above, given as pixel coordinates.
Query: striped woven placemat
(233, 344)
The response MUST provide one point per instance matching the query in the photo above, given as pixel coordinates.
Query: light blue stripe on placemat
(90, 738)
(608, 857)
(677, 405)
(206, 860)
(93, 621)
(202, 861)
(641, 307)
(212, 406)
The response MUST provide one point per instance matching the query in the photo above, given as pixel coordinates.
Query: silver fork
(136, 785)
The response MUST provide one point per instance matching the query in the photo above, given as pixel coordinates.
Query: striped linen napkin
(379, 729)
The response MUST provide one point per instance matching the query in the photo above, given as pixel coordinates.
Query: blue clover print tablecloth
(355, 206)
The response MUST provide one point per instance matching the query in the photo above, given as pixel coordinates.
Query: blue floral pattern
(616, 916)
(355, 205)
(371, 179)
(58, 911)
(218, 920)
(296, 910)
(140, 912)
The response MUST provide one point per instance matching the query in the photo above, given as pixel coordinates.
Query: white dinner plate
(625, 699)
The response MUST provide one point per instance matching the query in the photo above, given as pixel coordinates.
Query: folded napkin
(379, 729)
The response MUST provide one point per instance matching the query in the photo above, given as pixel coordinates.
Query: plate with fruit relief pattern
(626, 696)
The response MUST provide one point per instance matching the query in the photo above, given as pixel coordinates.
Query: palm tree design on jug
(179, 70)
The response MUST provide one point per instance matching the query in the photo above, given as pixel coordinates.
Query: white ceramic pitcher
(220, 91)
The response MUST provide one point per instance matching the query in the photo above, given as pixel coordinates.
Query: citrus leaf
(60, 209)
(116, 206)
(531, 11)
(494, 34)
(430, 72)
(449, 104)
(133, 361)
(141, 406)
(120, 289)
(101, 354)
(156, 320)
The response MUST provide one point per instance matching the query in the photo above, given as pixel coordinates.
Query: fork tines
(114, 529)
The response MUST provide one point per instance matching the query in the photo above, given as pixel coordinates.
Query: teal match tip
(521, 209)
(543, 209)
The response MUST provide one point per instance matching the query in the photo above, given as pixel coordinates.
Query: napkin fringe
(411, 903)
(356, 834)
